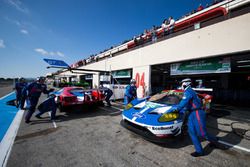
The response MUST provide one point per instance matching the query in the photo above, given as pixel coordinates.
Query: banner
(121, 74)
(215, 65)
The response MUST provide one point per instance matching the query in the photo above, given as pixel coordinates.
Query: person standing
(130, 92)
(34, 92)
(196, 118)
(171, 24)
(154, 34)
(19, 86)
(164, 26)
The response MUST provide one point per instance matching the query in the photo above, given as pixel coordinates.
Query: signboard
(54, 62)
(121, 74)
(215, 65)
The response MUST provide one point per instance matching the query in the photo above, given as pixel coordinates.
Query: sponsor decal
(162, 128)
(138, 115)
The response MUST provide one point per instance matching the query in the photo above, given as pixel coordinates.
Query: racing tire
(100, 103)
(62, 108)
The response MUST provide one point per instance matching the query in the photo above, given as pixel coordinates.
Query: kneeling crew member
(48, 105)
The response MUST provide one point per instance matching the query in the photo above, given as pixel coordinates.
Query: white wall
(96, 81)
(142, 75)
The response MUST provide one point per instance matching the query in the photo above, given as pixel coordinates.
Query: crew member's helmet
(41, 78)
(185, 83)
(21, 79)
(132, 81)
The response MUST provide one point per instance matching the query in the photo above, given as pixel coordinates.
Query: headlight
(128, 106)
(168, 117)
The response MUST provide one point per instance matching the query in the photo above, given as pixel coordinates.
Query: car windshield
(76, 90)
(165, 98)
(60, 91)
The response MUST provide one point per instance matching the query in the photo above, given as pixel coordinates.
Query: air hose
(241, 130)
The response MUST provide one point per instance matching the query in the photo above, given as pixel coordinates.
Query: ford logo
(138, 115)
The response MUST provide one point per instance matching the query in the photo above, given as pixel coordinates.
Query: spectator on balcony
(164, 26)
(96, 58)
(147, 34)
(171, 24)
(200, 8)
(140, 40)
(153, 33)
(135, 40)
(84, 62)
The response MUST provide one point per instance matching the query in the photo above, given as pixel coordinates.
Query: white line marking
(6, 95)
(9, 138)
(234, 146)
(53, 122)
(117, 108)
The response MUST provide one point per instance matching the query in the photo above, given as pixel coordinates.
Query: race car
(71, 96)
(150, 118)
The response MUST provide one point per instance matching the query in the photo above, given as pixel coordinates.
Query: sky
(71, 30)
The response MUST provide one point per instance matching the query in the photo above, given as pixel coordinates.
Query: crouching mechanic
(196, 118)
(34, 92)
(130, 92)
(48, 105)
(107, 93)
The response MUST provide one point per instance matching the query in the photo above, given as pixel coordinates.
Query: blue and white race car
(151, 117)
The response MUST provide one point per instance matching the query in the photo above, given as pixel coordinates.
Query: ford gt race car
(150, 118)
(70, 96)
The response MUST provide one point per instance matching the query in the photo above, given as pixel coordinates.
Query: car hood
(148, 113)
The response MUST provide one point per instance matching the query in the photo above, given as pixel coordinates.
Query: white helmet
(185, 83)
(133, 81)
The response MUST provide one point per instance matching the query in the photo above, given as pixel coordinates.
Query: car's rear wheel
(62, 108)
(100, 103)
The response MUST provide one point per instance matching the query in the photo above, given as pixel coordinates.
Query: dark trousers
(197, 128)
(107, 98)
(23, 98)
(32, 109)
(18, 99)
(48, 105)
(127, 100)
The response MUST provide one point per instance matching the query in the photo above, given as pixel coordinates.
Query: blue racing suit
(48, 105)
(130, 94)
(19, 86)
(196, 118)
(34, 92)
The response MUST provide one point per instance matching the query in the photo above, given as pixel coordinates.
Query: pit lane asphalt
(94, 137)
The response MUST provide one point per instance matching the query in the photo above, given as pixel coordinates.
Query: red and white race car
(70, 96)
